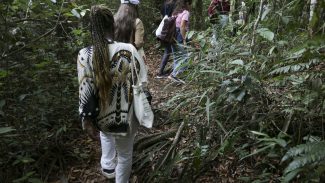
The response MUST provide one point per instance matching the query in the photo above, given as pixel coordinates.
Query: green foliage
(306, 159)
(251, 104)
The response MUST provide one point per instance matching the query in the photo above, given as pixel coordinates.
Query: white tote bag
(160, 27)
(141, 105)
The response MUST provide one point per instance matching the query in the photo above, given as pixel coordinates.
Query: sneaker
(160, 77)
(175, 79)
(109, 173)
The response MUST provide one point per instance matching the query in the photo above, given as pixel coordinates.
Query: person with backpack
(218, 11)
(167, 9)
(182, 22)
(129, 27)
(105, 93)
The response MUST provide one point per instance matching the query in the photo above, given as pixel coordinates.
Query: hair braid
(102, 23)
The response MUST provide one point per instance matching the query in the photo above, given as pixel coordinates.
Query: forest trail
(88, 170)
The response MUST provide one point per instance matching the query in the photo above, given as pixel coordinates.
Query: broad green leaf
(247, 53)
(259, 133)
(190, 34)
(241, 95)
(27, 160)
(3, 74)
(23, 96)
(281, 142)
(259, 150)
(237, 62)
(288, 177)
(265, 12)
(285, 19)
(266, 33)
(271, 50)
(6, 130)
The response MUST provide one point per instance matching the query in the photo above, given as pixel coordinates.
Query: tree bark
(197, 14)
(256, 24)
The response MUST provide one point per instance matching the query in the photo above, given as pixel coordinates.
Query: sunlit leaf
(266, 33)
(190, 34)
(237, 62)
(23, 96)
(241, 95)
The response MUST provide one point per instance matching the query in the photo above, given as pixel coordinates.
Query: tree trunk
(312, 17)
(231, 13)
(197, 15)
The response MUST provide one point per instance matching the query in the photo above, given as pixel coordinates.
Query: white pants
(123, 147)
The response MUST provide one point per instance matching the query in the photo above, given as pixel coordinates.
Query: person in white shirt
(105, 94)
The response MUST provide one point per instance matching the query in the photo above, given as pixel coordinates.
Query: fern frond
(307, 159)
(309, 148)
(294, 67)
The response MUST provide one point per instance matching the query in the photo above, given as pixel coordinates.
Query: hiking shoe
(108, 173)
(160, 77)
(175, 79)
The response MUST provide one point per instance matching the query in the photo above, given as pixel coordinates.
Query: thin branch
(172, 147)
(256, 24)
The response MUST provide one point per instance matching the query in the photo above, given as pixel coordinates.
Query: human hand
(90, 129)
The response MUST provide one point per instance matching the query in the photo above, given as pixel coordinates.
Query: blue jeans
(180, 55)
(168, 51)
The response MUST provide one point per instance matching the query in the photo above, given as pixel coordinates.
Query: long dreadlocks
(102, 27)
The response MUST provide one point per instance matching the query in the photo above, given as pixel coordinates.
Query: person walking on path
(167, 9)
(105, 94)
(129, 28)
(182, 11)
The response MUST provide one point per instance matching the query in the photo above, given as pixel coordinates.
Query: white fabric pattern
(114, 118)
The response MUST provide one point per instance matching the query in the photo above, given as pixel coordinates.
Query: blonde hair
(102, 25)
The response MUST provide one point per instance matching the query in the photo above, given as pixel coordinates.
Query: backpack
(168, 31)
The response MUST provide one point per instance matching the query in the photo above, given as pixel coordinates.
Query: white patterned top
(115, 117)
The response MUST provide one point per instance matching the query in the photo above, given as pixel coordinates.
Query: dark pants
(168, 51)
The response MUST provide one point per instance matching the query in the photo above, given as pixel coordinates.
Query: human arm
(184, 25)
(139, 33)
(88, 97)
(183, 31)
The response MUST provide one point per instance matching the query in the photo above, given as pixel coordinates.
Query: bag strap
(133, 66)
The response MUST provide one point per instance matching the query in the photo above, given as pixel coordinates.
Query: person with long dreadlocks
(105, 94)
(129, 27)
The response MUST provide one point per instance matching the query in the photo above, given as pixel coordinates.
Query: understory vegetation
(252, 109)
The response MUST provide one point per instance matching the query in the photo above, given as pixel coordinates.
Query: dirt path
(88, 169)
